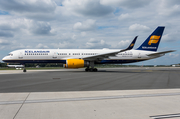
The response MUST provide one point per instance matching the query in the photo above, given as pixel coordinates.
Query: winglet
(105, 55)
(131, 45)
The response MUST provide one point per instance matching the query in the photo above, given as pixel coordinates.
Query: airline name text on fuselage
(36, 51)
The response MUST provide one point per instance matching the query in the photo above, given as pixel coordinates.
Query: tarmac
(110, 93)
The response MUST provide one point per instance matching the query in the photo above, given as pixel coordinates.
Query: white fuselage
(61, 55)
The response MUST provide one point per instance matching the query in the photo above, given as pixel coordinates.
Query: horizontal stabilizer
(161, 53)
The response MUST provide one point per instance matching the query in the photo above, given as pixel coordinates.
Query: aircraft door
(139, 55)
(55, 55)
(20, 55)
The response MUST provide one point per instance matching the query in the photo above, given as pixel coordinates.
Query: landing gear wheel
(95, 70)
(87, 69)
(24, 70)
(91, 69)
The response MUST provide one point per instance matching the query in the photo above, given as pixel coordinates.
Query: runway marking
(165, 116)
(86, 98)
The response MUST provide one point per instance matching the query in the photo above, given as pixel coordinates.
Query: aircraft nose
(4, 59)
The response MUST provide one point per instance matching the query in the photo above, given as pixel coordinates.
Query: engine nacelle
(75, 63)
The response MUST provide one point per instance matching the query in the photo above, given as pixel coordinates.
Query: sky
(89, 24)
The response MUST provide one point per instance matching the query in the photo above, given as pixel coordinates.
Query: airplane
(79, 58)
(16, 66)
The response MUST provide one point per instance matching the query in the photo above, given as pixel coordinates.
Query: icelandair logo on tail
(131, 45)
(153, 39)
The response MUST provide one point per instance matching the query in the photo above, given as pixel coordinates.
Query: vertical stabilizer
(152, 42)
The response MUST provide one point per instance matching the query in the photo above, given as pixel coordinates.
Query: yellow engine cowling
(75, 63)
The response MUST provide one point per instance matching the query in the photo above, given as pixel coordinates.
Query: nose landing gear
(24, 69)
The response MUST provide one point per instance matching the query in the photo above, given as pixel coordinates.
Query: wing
(161, 53)
(106, 55)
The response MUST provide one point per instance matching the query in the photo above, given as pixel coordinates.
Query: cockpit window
(10, 54)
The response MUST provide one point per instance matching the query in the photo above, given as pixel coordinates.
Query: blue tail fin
(152, 42)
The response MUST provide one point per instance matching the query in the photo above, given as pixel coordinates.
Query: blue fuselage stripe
(64, 61)
(117, 61)
(35, 61)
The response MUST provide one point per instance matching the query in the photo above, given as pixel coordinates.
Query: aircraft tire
(91, 69)
(24, 70)
(87, 69)
(95, 70)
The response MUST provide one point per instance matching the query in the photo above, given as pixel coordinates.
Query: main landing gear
(92, 69)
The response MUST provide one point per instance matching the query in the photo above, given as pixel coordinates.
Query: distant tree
(3, 64)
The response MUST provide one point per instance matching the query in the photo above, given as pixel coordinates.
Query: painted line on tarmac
(87, 98)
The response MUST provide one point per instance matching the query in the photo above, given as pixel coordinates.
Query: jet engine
(75, 63)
